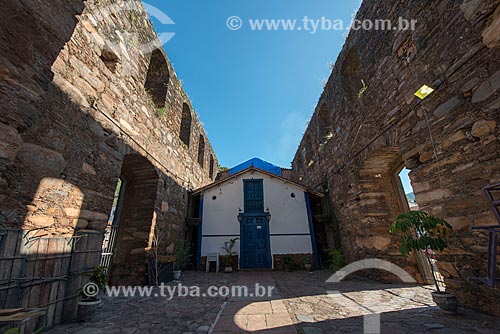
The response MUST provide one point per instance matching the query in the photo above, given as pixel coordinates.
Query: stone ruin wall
(83, 102)
(357, 140)
(68, 121)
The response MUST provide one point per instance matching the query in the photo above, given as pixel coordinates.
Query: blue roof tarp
(257, 163)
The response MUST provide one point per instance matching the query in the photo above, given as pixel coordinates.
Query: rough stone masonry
(86, 99)
(88, 96)
(368, 124)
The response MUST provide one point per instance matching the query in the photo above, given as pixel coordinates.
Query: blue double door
(255, 247)
(254, 244)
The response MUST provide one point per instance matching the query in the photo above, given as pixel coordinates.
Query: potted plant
(182, 256)
(307, 263)
(336, 259)
(422, 232)
(98, 279)
(287, 263)
(227, 260)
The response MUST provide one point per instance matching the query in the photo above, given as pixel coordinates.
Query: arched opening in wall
(211, 167)
(201, 151)
(324, 125)
(157, 79)
(135, 215)
(110, 60)
(185, 133)
(307, 150)
(352, 75)
(381, 200)
(298, 166)
(408, 202)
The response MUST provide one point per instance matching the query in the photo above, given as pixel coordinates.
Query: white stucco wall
(289, 215)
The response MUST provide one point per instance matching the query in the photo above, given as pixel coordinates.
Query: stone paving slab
(404, 308)
(300, 303)
(256, 314)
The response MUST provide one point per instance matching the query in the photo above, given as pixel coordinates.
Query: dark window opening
(211, 167)
(201, 151)
(324, 125)
(185, 134)
(157, 79)
(352, 74)
(110, 59)
(307, 151)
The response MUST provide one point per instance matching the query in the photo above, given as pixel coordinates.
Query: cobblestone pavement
(143, 315)
(300, 303)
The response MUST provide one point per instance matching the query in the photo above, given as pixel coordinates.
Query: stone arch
(201, 151)
(307, 150)
(136, 218)
(298, 163)
(352, 73)
(157, 78)
(378, 184)
(185, 133)
(211, 167)
(380, 201)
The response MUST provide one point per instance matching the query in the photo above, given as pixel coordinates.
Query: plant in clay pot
(422, 232)
(287, 263)
(308, 263)
(98, 279)
(182, 256)
(228, 257)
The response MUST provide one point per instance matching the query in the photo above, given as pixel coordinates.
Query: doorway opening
(133, 216)
(409, 203)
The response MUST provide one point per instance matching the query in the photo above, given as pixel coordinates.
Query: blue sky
(405, 180)
(254, 91)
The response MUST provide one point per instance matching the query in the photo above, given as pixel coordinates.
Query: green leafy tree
(421, 232)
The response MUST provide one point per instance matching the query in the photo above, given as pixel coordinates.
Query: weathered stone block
(487, 89)
(42, 159)
(41, 221)
(426, 156)
(85, 214)
(88, 169)
(377, 242)
(80, 224)
(97, 225)
(434, 195)
(470, 8)
(491, 35)
(482, 128)
(419, 187)
(10, 142)
(74, 93)
(459, 223)
(447, 107)
(455, 137)
(447, 269)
